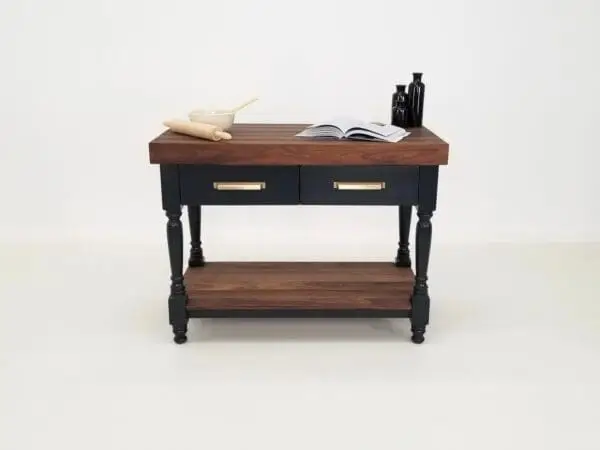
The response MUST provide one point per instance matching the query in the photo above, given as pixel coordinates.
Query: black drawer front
(239, 185)
(359, 185)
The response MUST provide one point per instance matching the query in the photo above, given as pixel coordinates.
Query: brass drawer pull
(359, 185)
(239, 185)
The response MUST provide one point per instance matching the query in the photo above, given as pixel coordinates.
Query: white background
(86, 353)
(511, 84)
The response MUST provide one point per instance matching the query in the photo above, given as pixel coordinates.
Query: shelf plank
(299, 289)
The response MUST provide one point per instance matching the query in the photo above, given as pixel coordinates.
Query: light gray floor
(511, 361)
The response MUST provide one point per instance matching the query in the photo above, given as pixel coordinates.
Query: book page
(365, 135)
(322, 131)
(345, 123)
(342, 126)
(381, 130)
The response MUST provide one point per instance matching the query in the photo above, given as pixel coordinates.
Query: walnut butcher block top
(276, 144)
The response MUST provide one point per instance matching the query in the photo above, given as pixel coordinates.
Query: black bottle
(400, 107)
(394, 103)
(416, 97)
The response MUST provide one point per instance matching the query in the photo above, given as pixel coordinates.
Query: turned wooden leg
(178, 298)
(420, 296)
(178, 317)
(428, 179)
(196, 254)
(403, 256)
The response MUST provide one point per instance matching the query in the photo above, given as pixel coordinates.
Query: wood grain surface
(276, 144)
(299, 285)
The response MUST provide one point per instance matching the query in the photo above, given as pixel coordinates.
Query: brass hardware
(239, 185)
(359, 185)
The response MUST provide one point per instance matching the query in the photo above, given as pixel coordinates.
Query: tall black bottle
(416, 97)
(400, 107)
(394, 103)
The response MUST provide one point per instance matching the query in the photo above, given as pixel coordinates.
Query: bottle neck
(417, 76)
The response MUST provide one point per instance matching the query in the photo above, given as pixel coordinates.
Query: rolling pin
(196, 129)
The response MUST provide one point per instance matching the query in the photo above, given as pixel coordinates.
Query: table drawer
(239, 185)
(357, 185)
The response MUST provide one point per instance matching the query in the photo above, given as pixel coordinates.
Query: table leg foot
(402, 260)
(180, 336)
(196, 258)
(418, 335)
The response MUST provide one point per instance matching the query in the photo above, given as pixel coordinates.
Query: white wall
(511, 84)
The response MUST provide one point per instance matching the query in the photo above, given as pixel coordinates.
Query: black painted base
(418, 336)
(196, 259)
(403, 260)
(180, 337)
(420, 317)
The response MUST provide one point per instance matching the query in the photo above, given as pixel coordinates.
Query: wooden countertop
(275, 144)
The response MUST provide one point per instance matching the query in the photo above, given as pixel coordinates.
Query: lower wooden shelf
(299, 289)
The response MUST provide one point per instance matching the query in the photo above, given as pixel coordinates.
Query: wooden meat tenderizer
(197, 129)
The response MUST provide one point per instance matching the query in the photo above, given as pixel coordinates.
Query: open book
(345, 128)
